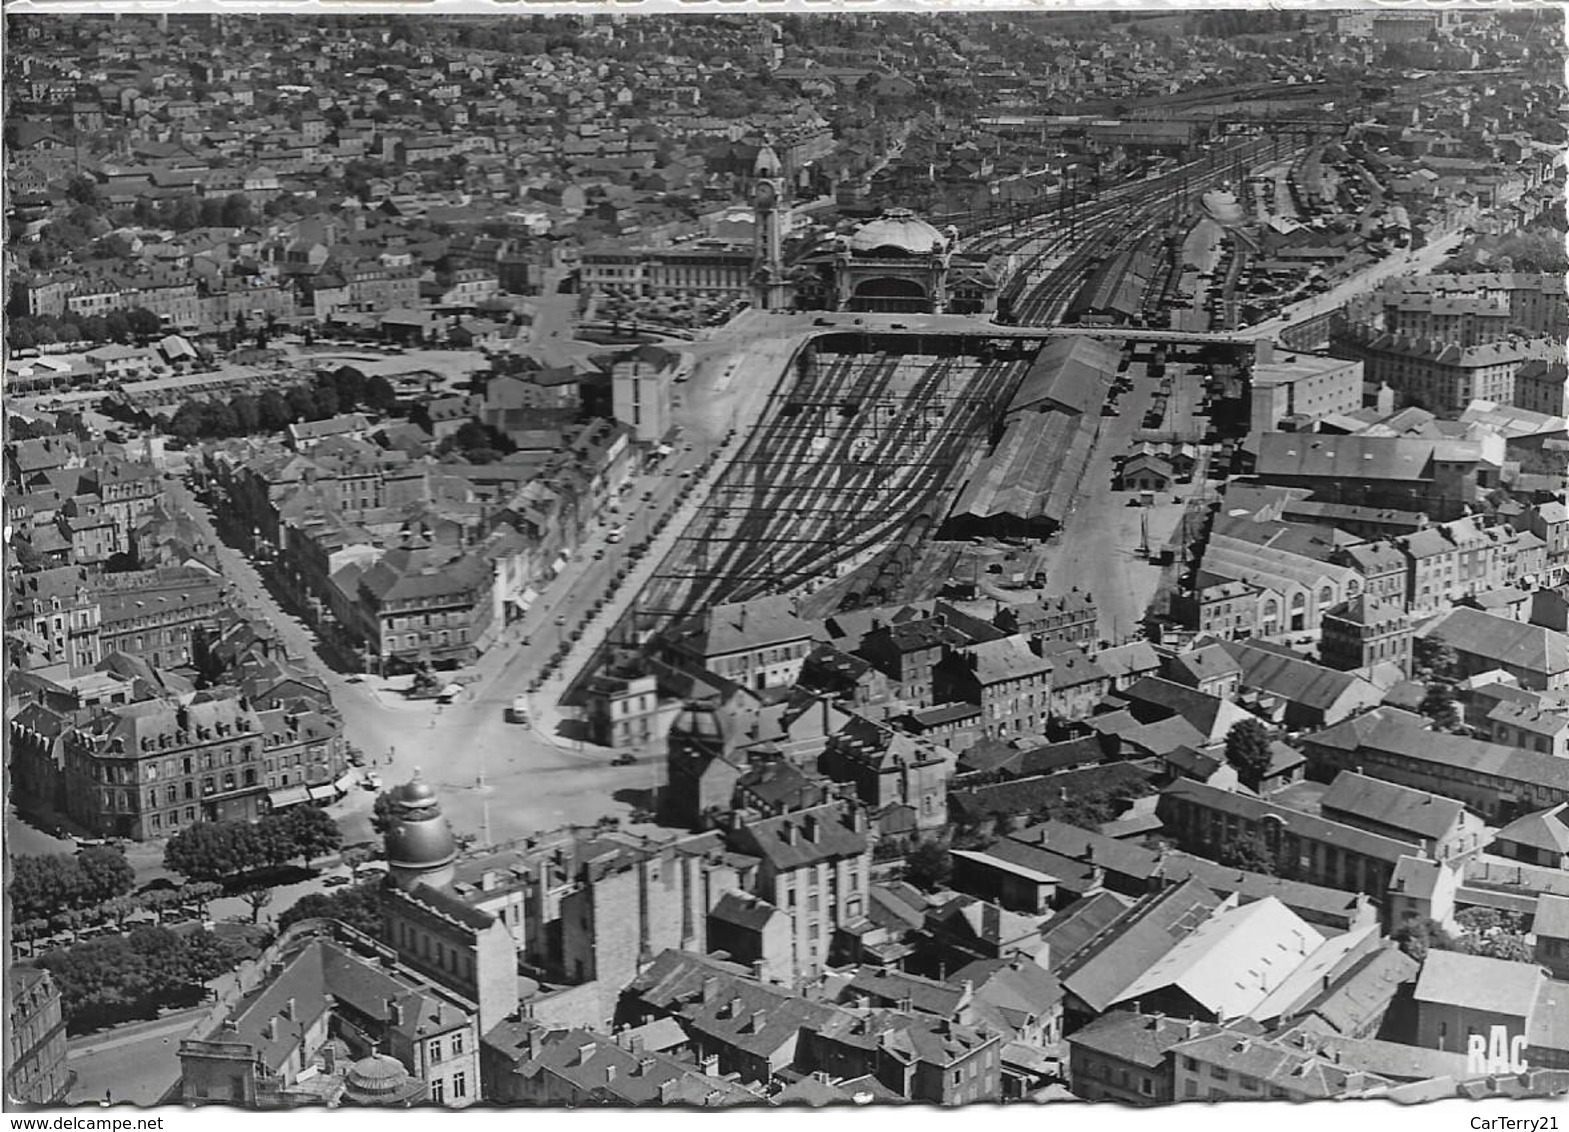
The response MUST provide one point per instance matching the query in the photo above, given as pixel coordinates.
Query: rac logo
(1496, 1053)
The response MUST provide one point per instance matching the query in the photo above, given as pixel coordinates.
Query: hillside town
(786, 560)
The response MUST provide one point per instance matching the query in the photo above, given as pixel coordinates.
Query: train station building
(899, 264)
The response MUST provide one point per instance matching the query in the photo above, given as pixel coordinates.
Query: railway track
(856, 448)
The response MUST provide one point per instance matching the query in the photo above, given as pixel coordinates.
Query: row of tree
(118, 910)
(26, 332)
(116, 978)
(246, 414)
(227, 849)
(45, 885)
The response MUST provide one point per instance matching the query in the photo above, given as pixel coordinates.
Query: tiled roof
(1390, 804)
(1110, 962)
(1305, 825)
(1534, 648)
(1140, 1039)
(1476, 982)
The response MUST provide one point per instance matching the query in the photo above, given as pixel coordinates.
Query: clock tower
(770, 288)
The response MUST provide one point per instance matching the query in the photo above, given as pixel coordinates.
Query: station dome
(898, 231)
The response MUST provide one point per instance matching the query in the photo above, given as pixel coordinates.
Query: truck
(518, 711)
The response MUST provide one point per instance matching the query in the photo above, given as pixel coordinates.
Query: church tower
(770, 289)
(419, 842)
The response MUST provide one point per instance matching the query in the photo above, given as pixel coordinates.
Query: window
(1146, 1086)
(457, 1044)
(459, 1084)
(438, 1091)
(1217, 1072)
(435, 1050)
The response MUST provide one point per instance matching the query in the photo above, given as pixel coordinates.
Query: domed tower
(419, 842)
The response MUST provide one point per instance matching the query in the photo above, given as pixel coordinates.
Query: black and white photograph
(785, 557)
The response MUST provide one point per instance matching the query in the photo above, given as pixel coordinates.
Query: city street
(132, 1064)
(500, 779)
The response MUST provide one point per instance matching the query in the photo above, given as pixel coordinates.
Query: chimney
(645, 1066)
(710, 1065)
(610, 1074)
(585, 1051)
(811, 827)
(759, 1020)
(667, 1090)
(288, 1009)
(710, 988)
(394, 1013)
(757, 970)
(532, 1043)
(270, 1029)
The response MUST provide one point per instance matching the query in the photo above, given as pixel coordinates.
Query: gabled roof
(1390, 804)
(1534, 648)
(805, 837)
(1233, 960)
(1476, 982)
(1282, 672)
(1546, 830)
(1140, 1039)
(1115, 958)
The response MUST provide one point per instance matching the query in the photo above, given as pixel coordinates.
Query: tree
(199, 895)
(118, 326)
(1439, 706)
(210, 851)
(143, 322)
(273, 412)
(1416, 937)
(274, 840)
(379, 396)
(133, 975)
(106, 874)
(928, 866)
(237, 211)
(83, 190)
(1433, 658)
(382, 812)
(1247, 749)
(208, 955)
(42, 886)
(312, 833)
(257, 899)
(247, 414)
(358, 907)
(1250, 854)
(302, 403)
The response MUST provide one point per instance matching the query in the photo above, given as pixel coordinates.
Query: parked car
(626, 758)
